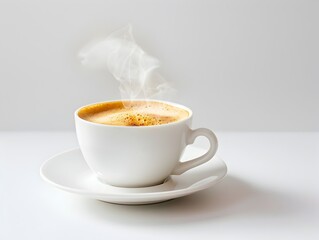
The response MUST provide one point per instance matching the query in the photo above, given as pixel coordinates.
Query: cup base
(133, 185)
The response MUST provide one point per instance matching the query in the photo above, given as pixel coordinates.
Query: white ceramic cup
(140, 156)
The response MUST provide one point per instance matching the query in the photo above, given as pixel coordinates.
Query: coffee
(138, 156)
(132, 113)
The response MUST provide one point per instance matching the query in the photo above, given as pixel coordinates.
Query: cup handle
(190, 138)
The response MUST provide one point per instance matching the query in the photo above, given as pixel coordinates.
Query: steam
(135, 70)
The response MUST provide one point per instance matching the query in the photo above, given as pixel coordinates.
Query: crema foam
(132, 113)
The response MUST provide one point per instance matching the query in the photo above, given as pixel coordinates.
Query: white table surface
(271, 192)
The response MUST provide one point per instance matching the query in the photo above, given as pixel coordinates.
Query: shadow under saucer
(231, 197)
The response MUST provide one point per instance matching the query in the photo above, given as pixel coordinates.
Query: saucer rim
(168, 194)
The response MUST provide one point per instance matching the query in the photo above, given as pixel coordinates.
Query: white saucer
(68, 171)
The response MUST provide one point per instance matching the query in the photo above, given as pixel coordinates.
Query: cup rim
(190, 114)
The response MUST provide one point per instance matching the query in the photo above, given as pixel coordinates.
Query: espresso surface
(135, 113)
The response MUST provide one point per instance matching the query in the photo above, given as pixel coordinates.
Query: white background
(240, 65)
